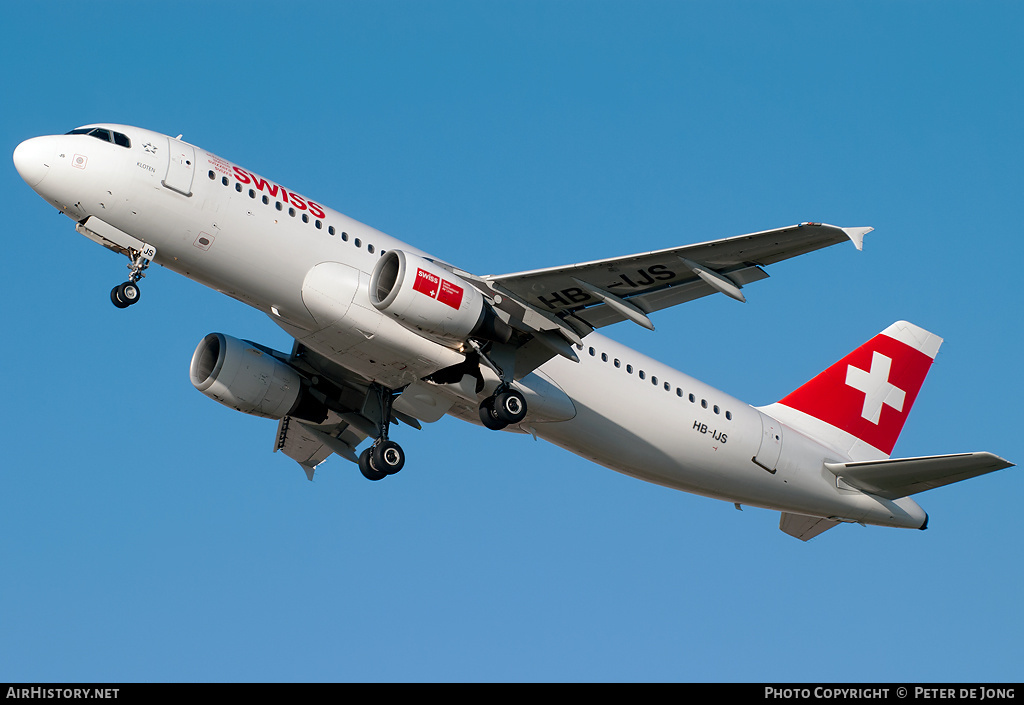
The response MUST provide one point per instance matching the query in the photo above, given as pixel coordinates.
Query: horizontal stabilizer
(803, 527)
(893, 478)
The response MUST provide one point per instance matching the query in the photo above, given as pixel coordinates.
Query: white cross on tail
(876, 387)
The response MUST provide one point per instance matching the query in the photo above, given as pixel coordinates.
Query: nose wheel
(124, 295)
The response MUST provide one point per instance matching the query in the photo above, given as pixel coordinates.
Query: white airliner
(385, 333)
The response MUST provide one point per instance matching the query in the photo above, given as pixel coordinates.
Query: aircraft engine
(239, 375)
(432, 301)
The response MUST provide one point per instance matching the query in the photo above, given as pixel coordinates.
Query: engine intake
(239, 375)
(432, 301)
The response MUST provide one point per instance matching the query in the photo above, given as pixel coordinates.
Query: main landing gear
(506, 407)
(128, 293)
(384, 457)
(381, 459)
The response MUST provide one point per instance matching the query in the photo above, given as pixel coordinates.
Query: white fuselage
(271, 249)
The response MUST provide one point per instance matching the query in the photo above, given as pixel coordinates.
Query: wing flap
(803, 527)
(309, 444)
(892, 478)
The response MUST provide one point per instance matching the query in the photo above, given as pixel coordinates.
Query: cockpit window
(104, 134)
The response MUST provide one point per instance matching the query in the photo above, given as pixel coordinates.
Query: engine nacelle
(239, 375)
(432, 301)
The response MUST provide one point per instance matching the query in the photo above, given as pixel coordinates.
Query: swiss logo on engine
(437, 288)
(426, 283)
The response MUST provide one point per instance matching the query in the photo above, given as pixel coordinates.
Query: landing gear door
(771, 444)
(181, 162)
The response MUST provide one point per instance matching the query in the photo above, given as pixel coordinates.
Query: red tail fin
(868, 394)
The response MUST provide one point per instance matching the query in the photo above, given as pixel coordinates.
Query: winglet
(857, 236)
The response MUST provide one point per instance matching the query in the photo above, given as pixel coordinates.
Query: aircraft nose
(32, 159)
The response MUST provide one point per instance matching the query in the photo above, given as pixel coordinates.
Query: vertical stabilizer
(859, 404)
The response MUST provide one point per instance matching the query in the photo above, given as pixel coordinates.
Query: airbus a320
(386, 335)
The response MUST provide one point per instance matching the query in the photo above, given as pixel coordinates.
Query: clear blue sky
(150, 534)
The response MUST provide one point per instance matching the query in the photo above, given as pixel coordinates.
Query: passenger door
(181, 160)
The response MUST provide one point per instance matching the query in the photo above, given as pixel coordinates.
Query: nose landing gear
(128, 293)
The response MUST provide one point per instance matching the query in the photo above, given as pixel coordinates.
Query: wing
(549, 310)
(599, 293)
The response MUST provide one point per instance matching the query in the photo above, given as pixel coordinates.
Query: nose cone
(33, 158)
